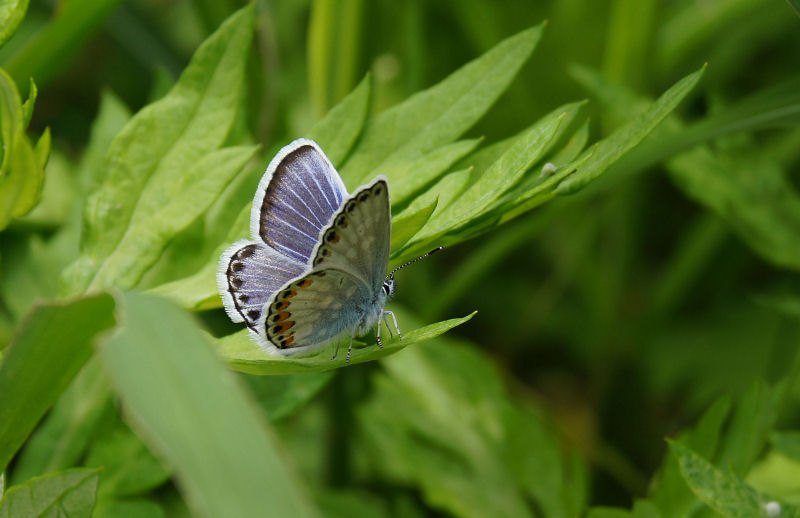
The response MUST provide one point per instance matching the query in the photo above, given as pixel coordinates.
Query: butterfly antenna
(423, 256)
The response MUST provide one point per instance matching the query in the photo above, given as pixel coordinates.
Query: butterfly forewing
(359, 236)
(313, 310)
(249, 274)
(295, 200)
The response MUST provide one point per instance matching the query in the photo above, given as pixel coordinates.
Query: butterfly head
(388, 286)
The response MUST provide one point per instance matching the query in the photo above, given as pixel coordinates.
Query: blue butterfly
(315, 270)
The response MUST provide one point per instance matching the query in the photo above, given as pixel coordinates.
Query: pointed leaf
(723, 492)
(192, 412)
(244, 355)
(159, 164)
(596, 160)
(426, 169)
(409, 222)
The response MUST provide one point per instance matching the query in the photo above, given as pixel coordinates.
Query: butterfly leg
(349, 348)
(378, 332)
(335, 352)
(394, 319)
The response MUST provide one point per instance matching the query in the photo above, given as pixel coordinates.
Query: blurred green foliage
(616, 182)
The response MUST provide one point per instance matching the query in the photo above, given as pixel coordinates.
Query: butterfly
(315, 269)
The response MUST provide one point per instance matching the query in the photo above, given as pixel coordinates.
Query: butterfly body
(315, 270)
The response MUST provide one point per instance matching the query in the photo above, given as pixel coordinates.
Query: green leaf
(409, 222)
(438, 115)
(751, 192)
(723, 492)
(51, 345)
(750, 424)
(333, 50)
(438, 419)
(669, 492)
(67, 493)
(27, 106)
(426, 169)
(338, 130)
(167, 165)
(245, 356)
(21, 171)
(11, 14)
(526, 149)
(194, 414)
(596, 160)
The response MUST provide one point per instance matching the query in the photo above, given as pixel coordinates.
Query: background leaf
(51, 346)
(67, 493)
(196, 416)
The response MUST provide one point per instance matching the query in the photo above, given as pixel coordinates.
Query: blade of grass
(194, 414)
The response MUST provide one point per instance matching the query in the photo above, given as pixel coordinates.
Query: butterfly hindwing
(359, 236)
(249, 274)
(295, 200)
(313, 310)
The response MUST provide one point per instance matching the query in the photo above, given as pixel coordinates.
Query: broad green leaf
(426, 169)
(195, 416)
(21, 171)
(596, 160)
(723, 492)
(409, 222)
(244, 355)
(69, 493)
(795, 4)
(438, 115)
(11, 14)
(51, 345)
(156, 218)
(338, 130)
(167, 165)
(333, 50)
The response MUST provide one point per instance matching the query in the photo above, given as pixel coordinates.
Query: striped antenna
(423, 256)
